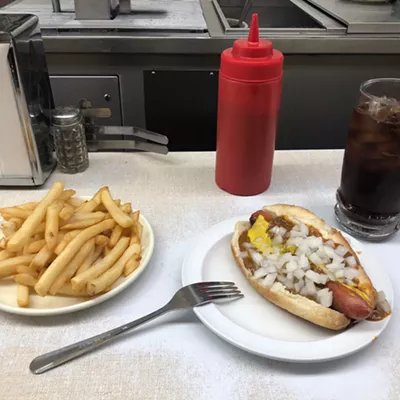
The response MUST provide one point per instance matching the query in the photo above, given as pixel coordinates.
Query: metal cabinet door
(102, 91)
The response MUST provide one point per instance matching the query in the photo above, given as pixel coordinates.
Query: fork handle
(58, 357)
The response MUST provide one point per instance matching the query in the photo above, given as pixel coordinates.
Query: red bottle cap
(252, 59)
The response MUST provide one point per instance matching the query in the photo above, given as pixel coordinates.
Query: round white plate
(256, 325)
(55, 305)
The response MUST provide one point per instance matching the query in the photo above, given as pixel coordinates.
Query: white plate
(255, 325)
(55, 305)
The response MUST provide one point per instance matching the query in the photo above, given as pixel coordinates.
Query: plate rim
(44, 312)
(230, 331)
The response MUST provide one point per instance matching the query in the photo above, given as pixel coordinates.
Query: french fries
(22, 295)
(56, 267)
(116, 234)
(21, 237)
(52, 223)
(67, 212)
(66, 246)
(4, 254)
(9, 266)
(79, 282)
(35, 247)
(67, 194)
(118, 215)
(65, 240)
(110, 276)
(16, 212)
(72, 267)
(81, 222)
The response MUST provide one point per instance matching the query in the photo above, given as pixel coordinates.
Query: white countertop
(177, 357)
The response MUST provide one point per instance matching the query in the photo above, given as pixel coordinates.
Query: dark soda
(370, 184)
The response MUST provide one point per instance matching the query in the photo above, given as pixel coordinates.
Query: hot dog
(299, 263)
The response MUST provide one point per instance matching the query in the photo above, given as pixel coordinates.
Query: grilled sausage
(268, 216)
(348, 302)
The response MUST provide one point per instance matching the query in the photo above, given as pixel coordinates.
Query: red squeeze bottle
(249, 95)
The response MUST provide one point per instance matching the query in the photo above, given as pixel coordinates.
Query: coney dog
(296, 261)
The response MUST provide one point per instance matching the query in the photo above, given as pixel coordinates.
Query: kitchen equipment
(187, 297)
(96, 9)
(25, 103)
(68, 133)
(248, 103)
(245, 11)
(368, 199)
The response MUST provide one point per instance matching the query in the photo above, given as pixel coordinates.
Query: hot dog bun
(297, 304)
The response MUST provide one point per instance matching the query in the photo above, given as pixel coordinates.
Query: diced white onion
(330, 252)
(381, 296)
(304, 291)
(339, 274)
(299, 285)
(274, 230)
(248, 245)
(260, 273)
(297, 241)
(315, 277)
(299, 273)
(334, 266)
(382, 303)
(271, 269)
(269, 280)
(281, 278)
(291, 266)
(289, 275)
(341, 250)
(288, 283)
(284, 259)
(273, 257)
(350, 273)
(258, 239)
(295, 234)
(277, 240)
(322, 255)
(323, 278)
(315, 259)
(257, 257)
(244, 254)
(337, 259)
(330, 243)
(304, 228)
(325, 297)
(296, 227)
(314, 242)
(303, 262)
(311, 289)
(281, 231)
(351, 261)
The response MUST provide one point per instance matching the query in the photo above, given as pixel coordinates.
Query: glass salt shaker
(69, 140)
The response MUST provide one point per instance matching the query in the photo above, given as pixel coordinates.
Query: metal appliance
(26, 102)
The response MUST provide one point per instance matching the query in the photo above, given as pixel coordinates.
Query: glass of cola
(368, 199)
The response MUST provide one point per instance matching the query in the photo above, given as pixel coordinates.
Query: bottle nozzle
(253, 33)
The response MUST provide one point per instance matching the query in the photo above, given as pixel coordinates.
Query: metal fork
(189, 296)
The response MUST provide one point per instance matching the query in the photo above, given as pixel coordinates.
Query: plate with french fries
(65, 253)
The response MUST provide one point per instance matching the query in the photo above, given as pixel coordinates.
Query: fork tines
(218, 290)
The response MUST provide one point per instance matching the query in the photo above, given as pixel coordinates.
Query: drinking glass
(368, 199)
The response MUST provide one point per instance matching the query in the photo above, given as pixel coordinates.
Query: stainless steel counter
(360, 17)
(194, 27)
(147, 15)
